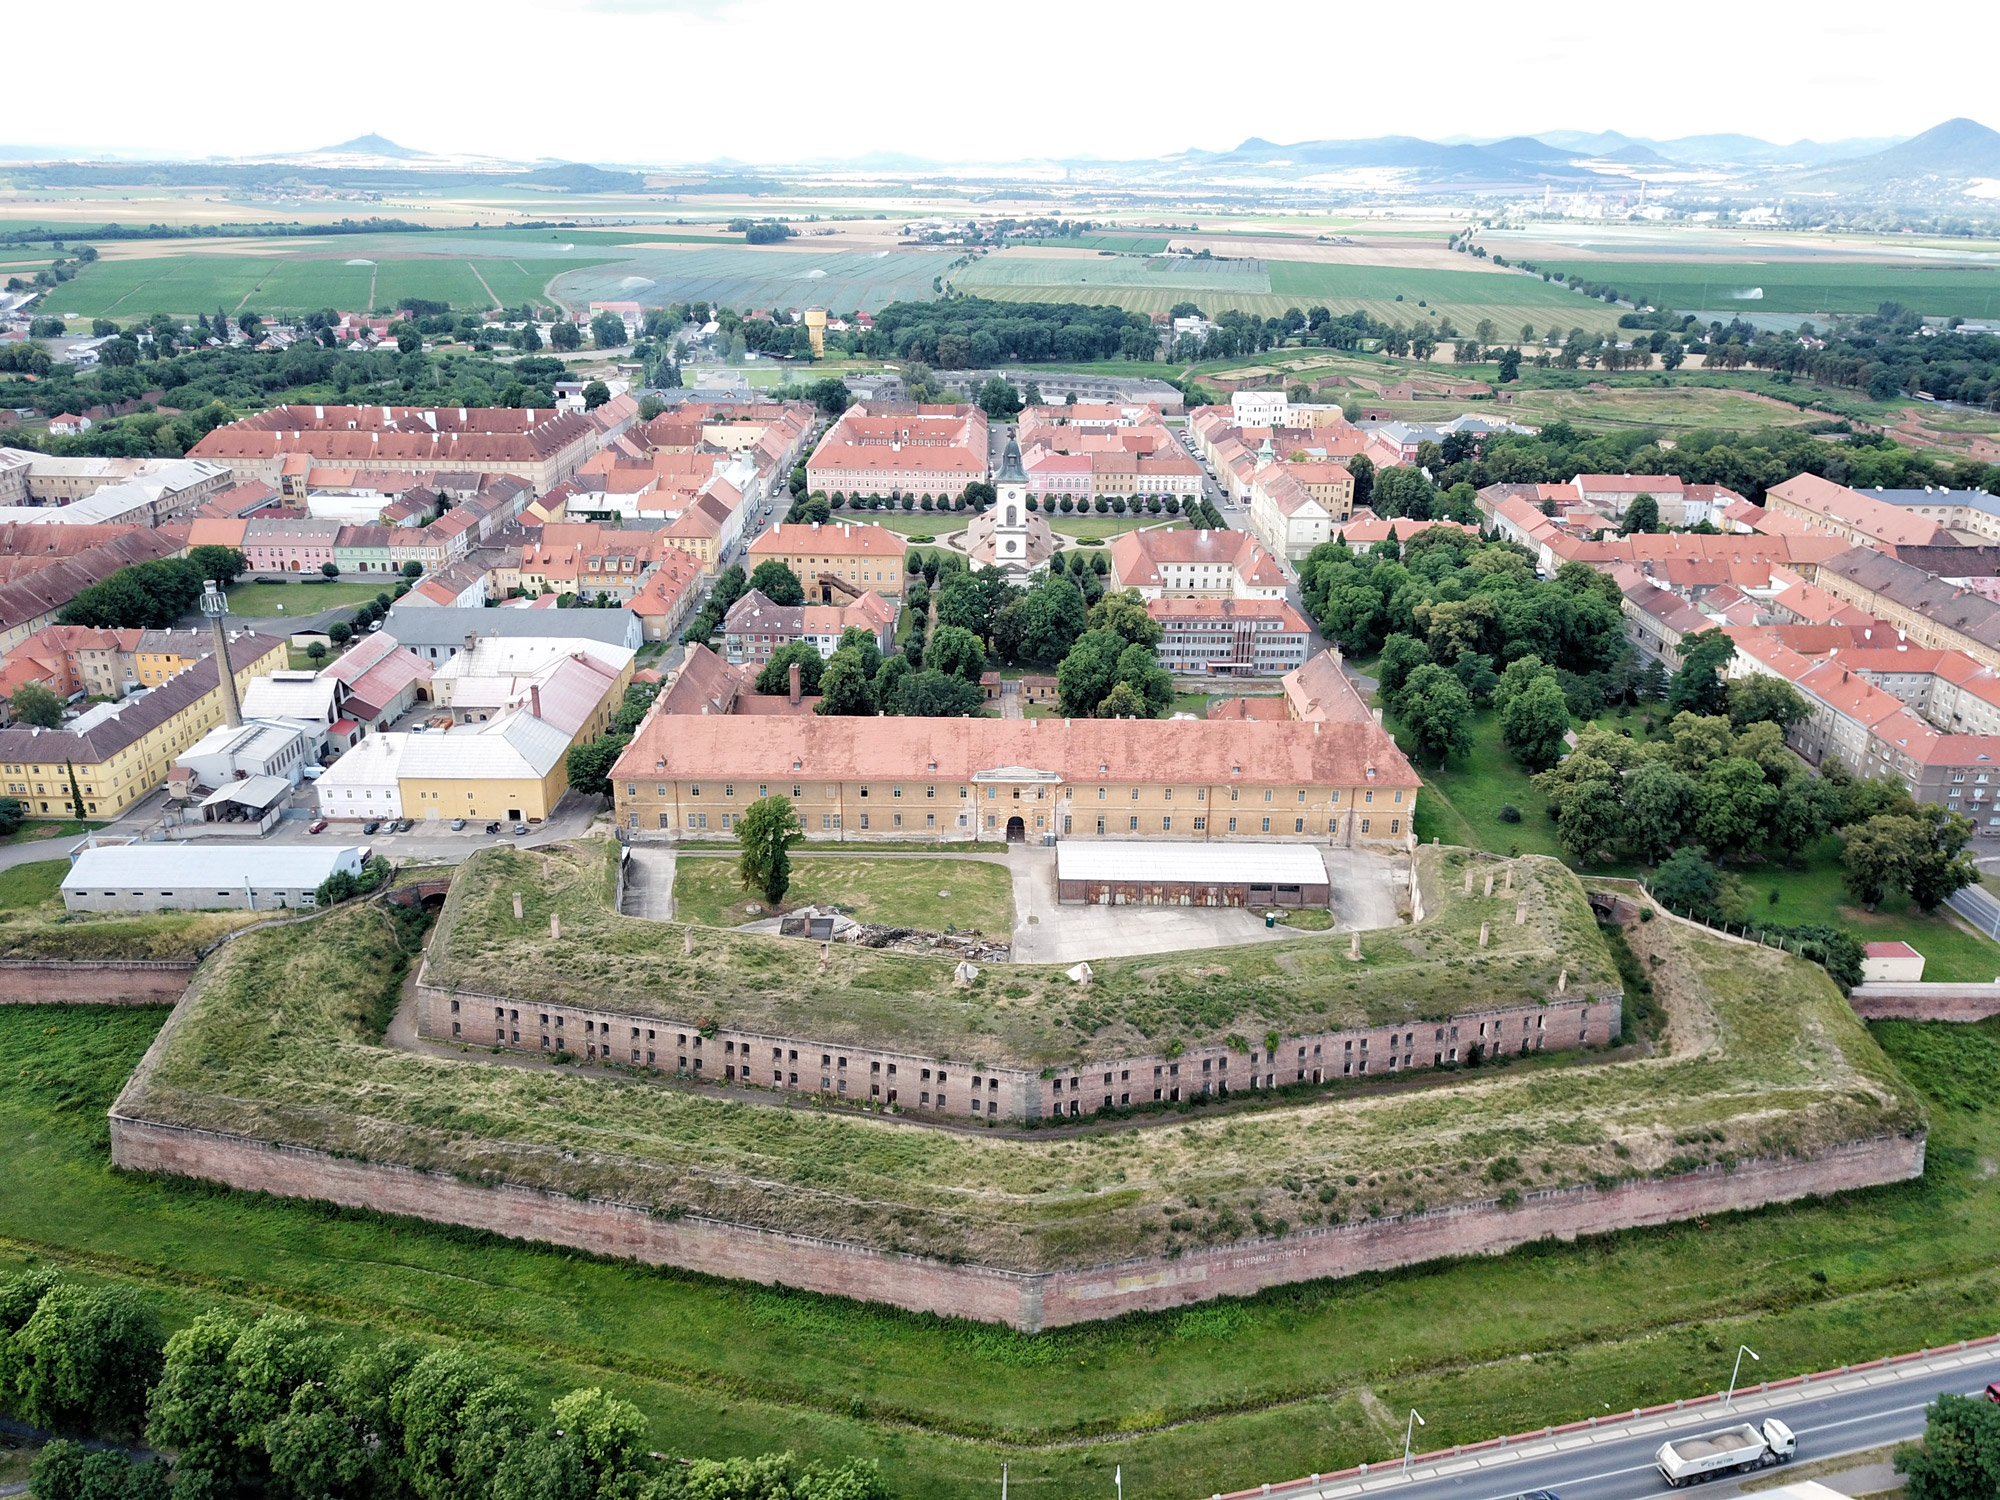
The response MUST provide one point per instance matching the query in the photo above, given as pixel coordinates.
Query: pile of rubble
(968, 945)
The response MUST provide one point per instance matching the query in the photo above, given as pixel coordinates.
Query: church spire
(1010, 464)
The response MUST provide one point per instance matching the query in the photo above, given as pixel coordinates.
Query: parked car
(493, 827)
(371, 825)
(1993, 1392)
(458, 825)
(403, 825)
(318, 825)
(521, 832)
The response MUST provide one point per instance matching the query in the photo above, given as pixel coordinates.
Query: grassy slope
(896, 892)
(1792, 1071)
(1269, 1388)
(1132, 1007)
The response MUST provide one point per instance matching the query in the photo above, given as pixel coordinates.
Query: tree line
(153, 595)
(273, 1407)
(963, 333)
(1749, 462)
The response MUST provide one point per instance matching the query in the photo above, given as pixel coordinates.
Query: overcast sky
(776, 80)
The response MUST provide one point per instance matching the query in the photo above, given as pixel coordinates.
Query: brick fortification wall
(1028, 1301)
(108, 982)
(1926, 1002)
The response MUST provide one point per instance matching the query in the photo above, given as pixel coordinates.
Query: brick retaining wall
(1926, 1002)
(1027, 1301)
(104, 982)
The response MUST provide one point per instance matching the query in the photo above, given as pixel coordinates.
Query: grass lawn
(1952, 951)
(1461, 801)
(25, 887)
(262, 600)
(44, 828)
(932, 523)
(1103, 528)
(894, 892)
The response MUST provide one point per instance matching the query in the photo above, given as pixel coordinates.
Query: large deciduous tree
(1437, 711)
(777, 583)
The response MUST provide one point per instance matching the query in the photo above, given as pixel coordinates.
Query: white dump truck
(1690, 1460)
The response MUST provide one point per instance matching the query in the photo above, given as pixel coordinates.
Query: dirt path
(374, 270)
(474, 269)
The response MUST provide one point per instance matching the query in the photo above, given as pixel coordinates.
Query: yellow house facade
(116, 753)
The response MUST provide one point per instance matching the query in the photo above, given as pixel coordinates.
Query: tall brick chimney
(792, 684)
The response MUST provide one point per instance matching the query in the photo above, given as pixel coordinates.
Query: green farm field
(1715, 284)
(743, 276)
(183, 285)
(1268, 288)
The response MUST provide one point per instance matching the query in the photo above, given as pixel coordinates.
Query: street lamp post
(1741, 1350)
(1409, 1431)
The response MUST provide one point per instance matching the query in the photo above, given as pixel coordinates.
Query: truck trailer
(1733, 1450)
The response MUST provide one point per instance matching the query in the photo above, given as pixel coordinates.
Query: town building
(1970, 513)
(1187, 563)
(1818, 506)
(1228, 637)
(382, 681)
(935, 451)
(755, 628)
(838, 557)
(154, 492)
(42, 568)
(691, 776)
(1931, 611)
(201, 877)
(105, 760)
(537, 445)
(435, 635)
(512, 768)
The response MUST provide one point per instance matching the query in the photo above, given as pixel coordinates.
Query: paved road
(1845, 1414)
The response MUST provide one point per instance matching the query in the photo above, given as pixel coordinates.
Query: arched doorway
(1017, 831)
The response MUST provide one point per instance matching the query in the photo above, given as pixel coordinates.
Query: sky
(666, 81)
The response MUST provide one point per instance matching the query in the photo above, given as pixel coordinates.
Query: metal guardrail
(1976, 904)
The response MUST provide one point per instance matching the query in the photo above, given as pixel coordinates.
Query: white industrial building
(179, 876)
(365, 782)
(1115, 873)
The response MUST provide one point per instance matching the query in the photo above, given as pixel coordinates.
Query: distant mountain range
(1935, 168)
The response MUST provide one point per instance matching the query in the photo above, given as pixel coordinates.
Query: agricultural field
(129, 289)
(1716, 287)
(743, 276)
(932, 894)
(1268, 287)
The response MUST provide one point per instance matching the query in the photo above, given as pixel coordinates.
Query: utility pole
(215, 607)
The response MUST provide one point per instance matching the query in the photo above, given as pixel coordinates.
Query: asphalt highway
(1839, 1415)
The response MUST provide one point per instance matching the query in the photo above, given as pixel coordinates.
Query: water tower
(816, 330)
